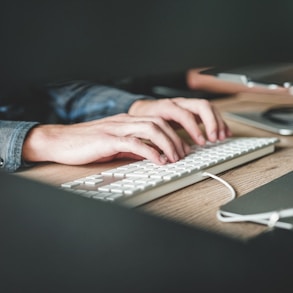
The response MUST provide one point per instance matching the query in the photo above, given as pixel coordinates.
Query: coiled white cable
(271, 219)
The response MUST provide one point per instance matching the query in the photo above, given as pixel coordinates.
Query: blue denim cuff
(14, 133)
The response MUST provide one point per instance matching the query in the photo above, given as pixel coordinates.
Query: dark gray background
(69, 39)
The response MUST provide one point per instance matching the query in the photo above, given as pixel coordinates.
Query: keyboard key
(139, 182)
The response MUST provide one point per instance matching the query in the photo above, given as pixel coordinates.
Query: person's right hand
(104, 140)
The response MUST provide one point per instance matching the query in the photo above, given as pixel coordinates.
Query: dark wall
(66, 39)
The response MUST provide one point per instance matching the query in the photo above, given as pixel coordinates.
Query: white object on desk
(142, 181)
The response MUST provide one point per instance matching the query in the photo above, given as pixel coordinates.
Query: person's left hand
(189, 114)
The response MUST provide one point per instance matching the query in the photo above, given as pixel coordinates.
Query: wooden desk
(197, 205)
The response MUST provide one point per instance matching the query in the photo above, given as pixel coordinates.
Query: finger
(211, 120)
(209, 116)
(147, 130)
(153, 125)
(205, 115)
(223, 129)
(186, 119)
(120, 155)
(135, 146)
(181, 146)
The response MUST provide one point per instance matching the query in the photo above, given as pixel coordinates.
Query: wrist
(136, 109)
(35, 145)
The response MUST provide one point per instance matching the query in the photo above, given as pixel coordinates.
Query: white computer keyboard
(142, 181)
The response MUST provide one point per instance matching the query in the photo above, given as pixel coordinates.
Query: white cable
(232, 190)
(271, 219)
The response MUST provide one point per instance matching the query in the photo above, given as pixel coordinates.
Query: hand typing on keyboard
(188, 114)
(147, 131)
(142, 181)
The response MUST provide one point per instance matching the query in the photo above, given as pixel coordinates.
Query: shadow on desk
(55, 241)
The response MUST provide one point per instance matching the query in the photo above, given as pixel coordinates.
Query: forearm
(12, 136)
(84, 101)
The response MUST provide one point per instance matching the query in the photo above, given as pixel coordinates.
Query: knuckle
(159, 121)
(132, 140)
(205, 103)
(152, 126)
(123, 115)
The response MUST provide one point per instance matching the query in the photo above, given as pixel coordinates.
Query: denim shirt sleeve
(70, 102)
(12, 135)
(79, 101)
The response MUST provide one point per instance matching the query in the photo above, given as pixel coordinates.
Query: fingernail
(163, 158)
(201, 139)
(175, 157)
(187, 149)
(213, 136)
(222, 134)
